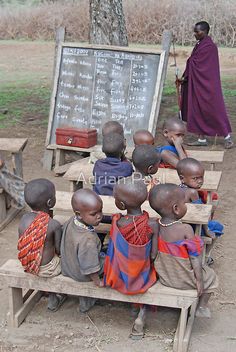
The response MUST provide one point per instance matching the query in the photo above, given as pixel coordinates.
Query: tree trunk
(107, 23)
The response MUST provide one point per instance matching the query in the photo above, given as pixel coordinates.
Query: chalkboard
(96, 84)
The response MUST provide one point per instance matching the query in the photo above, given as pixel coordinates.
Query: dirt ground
(107, 327)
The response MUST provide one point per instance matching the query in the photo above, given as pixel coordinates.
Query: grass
(23, 102)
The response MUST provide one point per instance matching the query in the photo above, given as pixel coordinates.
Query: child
(191, 174)
(108, 170)
(40, 236)
(178, 263)
(107, 128)
(13, 185)
(132, 247)
(143, 137)
(80, 245)
(146, 161)
(174, 131)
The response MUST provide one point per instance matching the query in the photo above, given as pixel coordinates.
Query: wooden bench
(13, 276)
(81, 174)
(15, 146)
(208, 156)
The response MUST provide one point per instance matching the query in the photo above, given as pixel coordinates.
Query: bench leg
(180, 332)
(189, 325)
(20, 305)
(3, 208)
(60, 157)
(17, 164)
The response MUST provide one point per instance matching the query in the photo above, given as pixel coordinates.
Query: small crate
(76, 137)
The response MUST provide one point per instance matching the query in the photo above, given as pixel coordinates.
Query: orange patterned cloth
(31, 243)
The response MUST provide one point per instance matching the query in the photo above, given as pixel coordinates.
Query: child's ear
(49, 203)
(165, 132)
(122, 204)
(175, 209)
(150, 168)
(77, 213)
(181, 177)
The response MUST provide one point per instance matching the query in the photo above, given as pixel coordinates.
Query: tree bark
(107, 23)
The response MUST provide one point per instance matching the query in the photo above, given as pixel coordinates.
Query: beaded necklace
(83, 226)
(170, 223)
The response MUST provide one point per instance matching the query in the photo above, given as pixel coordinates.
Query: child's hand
(101, 284)
(178, 141)
(199, 284)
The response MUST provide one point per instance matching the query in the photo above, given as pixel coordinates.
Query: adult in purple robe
(203, 106)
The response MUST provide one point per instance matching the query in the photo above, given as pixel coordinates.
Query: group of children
(140, 250)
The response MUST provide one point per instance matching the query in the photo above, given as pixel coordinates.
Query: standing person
(203, 105)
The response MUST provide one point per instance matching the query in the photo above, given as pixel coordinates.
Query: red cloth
(138, 230)
(31, 243)
(203, 104)
(203, 195)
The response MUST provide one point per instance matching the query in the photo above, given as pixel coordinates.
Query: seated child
(132, 246)
(108, 170)
(146, 161)
(143, 137)
(179, 263)
(80, 246)
(13, 185)
(40, 236)
(191, 174)
(174, 131)
(107, 128)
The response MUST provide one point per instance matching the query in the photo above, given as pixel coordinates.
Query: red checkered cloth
(31, 243)
(128, 268)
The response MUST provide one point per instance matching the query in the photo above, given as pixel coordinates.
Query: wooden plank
(15, 303)
(60, 157)
(75, 149)
(3, 209)
(211, 178)
(212, 156)
(47, 159)
(17, 164)
(196, 213)
(12, 274)
(60, 170)
(26, 308)
(13, 145)
(11, 214)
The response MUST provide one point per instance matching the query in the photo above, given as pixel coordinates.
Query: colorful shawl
(31, 243)
(137, 231)
(128, 267)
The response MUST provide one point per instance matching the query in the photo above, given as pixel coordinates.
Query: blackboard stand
(142, 99)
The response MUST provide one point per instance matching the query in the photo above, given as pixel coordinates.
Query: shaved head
(163, 197)
(173, 124)
(188, 166)
(38, 192)
(132, 192)
(85, 199)
(143, 137)
(112, 127)
(145, 156)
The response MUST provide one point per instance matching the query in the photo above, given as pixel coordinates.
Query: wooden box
(76, 137)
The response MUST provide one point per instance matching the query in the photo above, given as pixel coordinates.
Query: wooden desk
(198, 214)
(15, 146)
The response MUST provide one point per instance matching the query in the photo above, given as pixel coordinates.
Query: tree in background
(107, 23)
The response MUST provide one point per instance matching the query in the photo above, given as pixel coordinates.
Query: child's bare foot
(203, 312)
(211, 234)
(137, 332)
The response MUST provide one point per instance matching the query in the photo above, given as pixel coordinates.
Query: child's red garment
(31, 243)
(203, 195)
(137, 231)
(128, 267)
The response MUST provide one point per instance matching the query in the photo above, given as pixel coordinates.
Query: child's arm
(57, 236)
(196, 261)
(169, 158)
(154, 225)
(178, 143)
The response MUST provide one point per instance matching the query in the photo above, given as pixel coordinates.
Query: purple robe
(203, 105)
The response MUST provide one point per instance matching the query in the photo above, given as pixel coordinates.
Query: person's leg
(200, 142)
(55, 300)
(228, 142)
(202, 310)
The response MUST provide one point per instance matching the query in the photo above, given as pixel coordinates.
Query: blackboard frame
(158, 86)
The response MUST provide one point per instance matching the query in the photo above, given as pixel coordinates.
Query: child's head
(168, 200)
(143, 137)
(87, 206)
(173, 128)
(129, 193)
(112, 127)
(113, 145)
(146, 159)
(191, 172)
(40, 194)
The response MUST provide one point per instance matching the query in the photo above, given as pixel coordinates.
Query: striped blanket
(31, 243)
(174, 267)
(128, 267)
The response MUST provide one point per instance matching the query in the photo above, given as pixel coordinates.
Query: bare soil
(107, 327)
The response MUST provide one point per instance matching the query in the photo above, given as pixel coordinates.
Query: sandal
(198, 143)
(229, 143)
